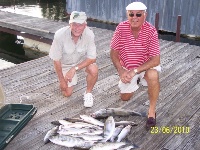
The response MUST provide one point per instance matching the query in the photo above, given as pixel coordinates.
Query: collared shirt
(135, 52)
(65, 50)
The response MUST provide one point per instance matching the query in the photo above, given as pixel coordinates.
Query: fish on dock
(109, 128)
(125, 131)
(107, 146)
(116, 132)
(87, 132)
(106, 112)
(125, 123)
(125, 147)
(92, 120)
(50, 133)
(69, 141)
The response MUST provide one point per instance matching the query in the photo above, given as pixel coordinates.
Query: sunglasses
(137, 15)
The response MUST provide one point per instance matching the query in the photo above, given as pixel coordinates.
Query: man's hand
(123, 74)
(126, 75)
(70, 74)
(63, 85)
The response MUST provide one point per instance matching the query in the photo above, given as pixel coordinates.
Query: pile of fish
(87, 132)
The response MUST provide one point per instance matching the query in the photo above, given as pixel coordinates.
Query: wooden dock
(35, 82)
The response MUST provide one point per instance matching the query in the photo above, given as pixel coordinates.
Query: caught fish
(70, 131)
(61, 122)
(89, 137)
(80, 125)
(69, 141)
(64, 122)
(125, 123)
(95, 132)
(107, 146)
(125, 131)
(103, 113)
(50, 133)
(124, 147)
(116, 132)
(92, 120)
(73, 119)
(109, 128)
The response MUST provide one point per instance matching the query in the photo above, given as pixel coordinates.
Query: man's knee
(92, 70)
(126, 96)
(66, 94)
(151, 74)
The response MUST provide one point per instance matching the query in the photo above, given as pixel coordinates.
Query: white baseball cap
(136, 6)
(78, 17)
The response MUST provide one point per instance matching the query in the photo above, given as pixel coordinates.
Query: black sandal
(151, 122)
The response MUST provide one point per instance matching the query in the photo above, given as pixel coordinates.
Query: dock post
(178, 28)
(157, 21)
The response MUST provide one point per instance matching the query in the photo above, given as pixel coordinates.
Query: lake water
(11, 46)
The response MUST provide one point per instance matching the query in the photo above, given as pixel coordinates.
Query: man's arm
(61, 78)
(114, 55)
(152, 62)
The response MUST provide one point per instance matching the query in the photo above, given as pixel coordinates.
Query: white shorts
(133, 86)
(74, 79)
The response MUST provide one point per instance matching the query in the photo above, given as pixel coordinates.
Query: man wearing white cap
(73, 49)
(135, 53)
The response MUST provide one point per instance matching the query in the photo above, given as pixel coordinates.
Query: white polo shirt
(65, 50)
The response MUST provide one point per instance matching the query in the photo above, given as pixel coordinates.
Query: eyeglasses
(137, 15)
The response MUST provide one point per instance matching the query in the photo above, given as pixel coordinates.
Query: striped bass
(103, 113)
(69, 141)
(116, 132)
(107, 146)
(89, 137)
(109, 128)
(50, 133)
(92, 120)
(125, 131)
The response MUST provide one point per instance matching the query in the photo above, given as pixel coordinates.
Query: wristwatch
(135, 71)
(76, 68)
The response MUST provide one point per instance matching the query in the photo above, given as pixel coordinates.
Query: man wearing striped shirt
(135, 53)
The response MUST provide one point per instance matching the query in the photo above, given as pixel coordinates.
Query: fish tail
(138, 114)
(143, 114)
(135, 146)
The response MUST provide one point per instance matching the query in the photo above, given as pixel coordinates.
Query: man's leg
(68, 91)
(126, 96)
(91, 79)
(152, 78)
(92, 76)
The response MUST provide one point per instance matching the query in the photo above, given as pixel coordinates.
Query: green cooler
(13, 118)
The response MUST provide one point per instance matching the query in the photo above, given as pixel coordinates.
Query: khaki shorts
(74, 79)
(133, 86)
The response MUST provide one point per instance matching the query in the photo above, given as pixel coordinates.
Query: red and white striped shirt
(135, 52)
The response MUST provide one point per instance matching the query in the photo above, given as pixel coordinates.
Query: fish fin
(135, 146)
